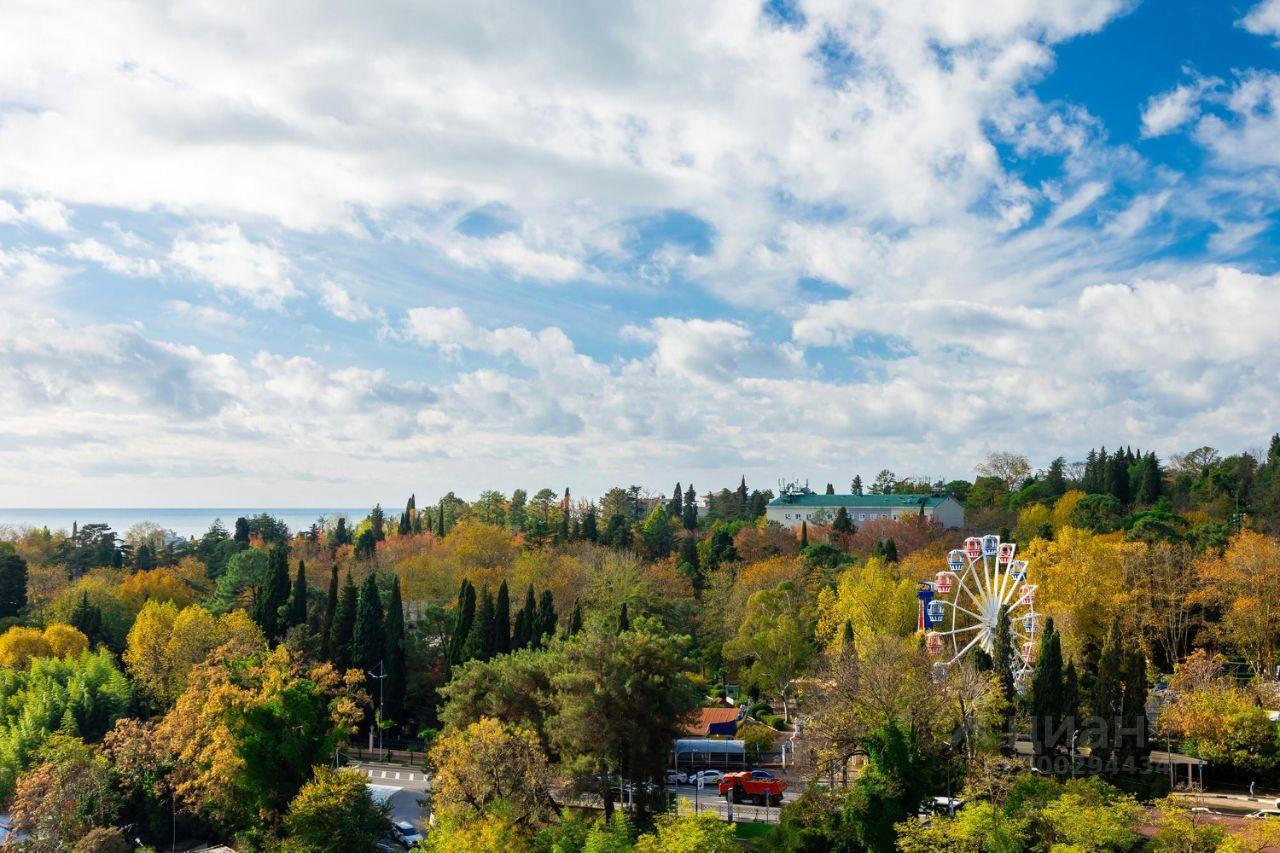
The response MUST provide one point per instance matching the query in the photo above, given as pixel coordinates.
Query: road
(402, 787)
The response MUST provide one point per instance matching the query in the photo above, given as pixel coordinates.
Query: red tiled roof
(697, 727)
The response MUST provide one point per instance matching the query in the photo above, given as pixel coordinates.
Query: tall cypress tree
(344, 625)
(463, 616)
(13, 581)
(274, 595)
(440, 525)
(575, 619)
(528, 618)
(368, 640)
(330, 609)
(502, 621)
(546, 616)
(1118, 478)
(742, 497)
(675, 506)
(1133, 745)
(298, 601)
(1047, 691)
(804, 534)
(479, 645)
(624, 624)
(1002, 661)
(690, 519)
(396, 667)
(1107, 695)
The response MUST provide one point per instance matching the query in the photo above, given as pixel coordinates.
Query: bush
(760, 710)
(774, 720)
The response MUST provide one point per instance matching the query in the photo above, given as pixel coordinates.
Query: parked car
(1265, 814)
(707, 777)
(675, 777)
(405, 833)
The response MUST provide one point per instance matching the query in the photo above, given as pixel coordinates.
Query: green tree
(772, 642)
(244, 581)
(1002, 653)
(575, 618)
(394, 658)
(366, 545)
(330, 609)
(463, 616)
(297, 614)
(368, 640)
(1047, 692)
(343, 629)
(658, 534)
(502, 621)
(624, 623)
(547, 619)
(690, 517)
(334, 811)
(479, 643)
(377, 520)
(87, 619)
(842, 524)
(275, 594)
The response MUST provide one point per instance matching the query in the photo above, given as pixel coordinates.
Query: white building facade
(796, 509)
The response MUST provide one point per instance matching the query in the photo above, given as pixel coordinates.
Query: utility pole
(381, 676)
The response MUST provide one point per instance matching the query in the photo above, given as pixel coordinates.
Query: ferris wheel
(960, 608)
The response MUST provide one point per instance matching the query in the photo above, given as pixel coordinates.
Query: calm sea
(184, 522)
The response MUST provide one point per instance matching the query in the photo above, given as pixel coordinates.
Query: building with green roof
(796, 508)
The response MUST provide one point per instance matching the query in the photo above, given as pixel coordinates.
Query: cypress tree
(1107, 694)
(274, 595)
(1118, 478)
(690, 519)
(1002, 660)
(330, 609)
(741, 495)
(575, 619)
(846, 639)
(624, 624)
(1133, 745)
(440, 525)
(242, 531)
(13, 581)
(675, 506)
(590, 527)
(394, 663)
(564, 517)
(1150, 485)
(87, 619)
(344, 625)
(404, 527)
(368, 640)
(1047, 690)
(831, 489)
(463, 616)
(297, 614)
(527, 619)
(479, 645)
(502, 621)
(890, 551)
(547, 618)
(804, 535)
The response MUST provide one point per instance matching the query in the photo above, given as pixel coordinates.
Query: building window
(862, 516)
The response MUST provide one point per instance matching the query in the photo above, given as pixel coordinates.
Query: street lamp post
(381, 676)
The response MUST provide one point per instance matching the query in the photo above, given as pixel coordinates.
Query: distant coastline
(184, 521)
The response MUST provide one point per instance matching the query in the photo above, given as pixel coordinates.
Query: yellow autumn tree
(1080, 580)
(156, 585)
(165, 643)
(874, 598)
(489, 762)
(1239, 583)
(19, 645)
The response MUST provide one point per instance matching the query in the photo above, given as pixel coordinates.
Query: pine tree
(502, 621)
(297, 614)
(1047, 691)
(341, 535)
(624, 624)
(843, 523)
(1150, 484)
(344, 625)
(890, 551)
(856, 487)
(1118, 478)
(690, 518)
(242, 531)
(13, 581)
(368, 640)
(330, 609)
(675, 506)
(590, 527)
(831, 489)
(1055, 480)
(394, 661)
(804, 535)
(575, 619)
(376, 521)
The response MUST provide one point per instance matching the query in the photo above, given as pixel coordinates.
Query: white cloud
(1263, 19)
(341, 304)
(1169, 111)
(109, 259)
(47, 213)
(222, 256)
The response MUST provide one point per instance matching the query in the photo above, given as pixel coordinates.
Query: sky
(323, 253)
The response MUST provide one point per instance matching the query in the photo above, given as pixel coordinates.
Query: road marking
(397, 774)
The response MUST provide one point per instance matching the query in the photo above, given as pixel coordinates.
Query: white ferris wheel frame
(981, 588)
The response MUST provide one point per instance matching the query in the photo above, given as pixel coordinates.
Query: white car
(1265, 814)
(675, 777)
(405, 833)
(707, 777)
